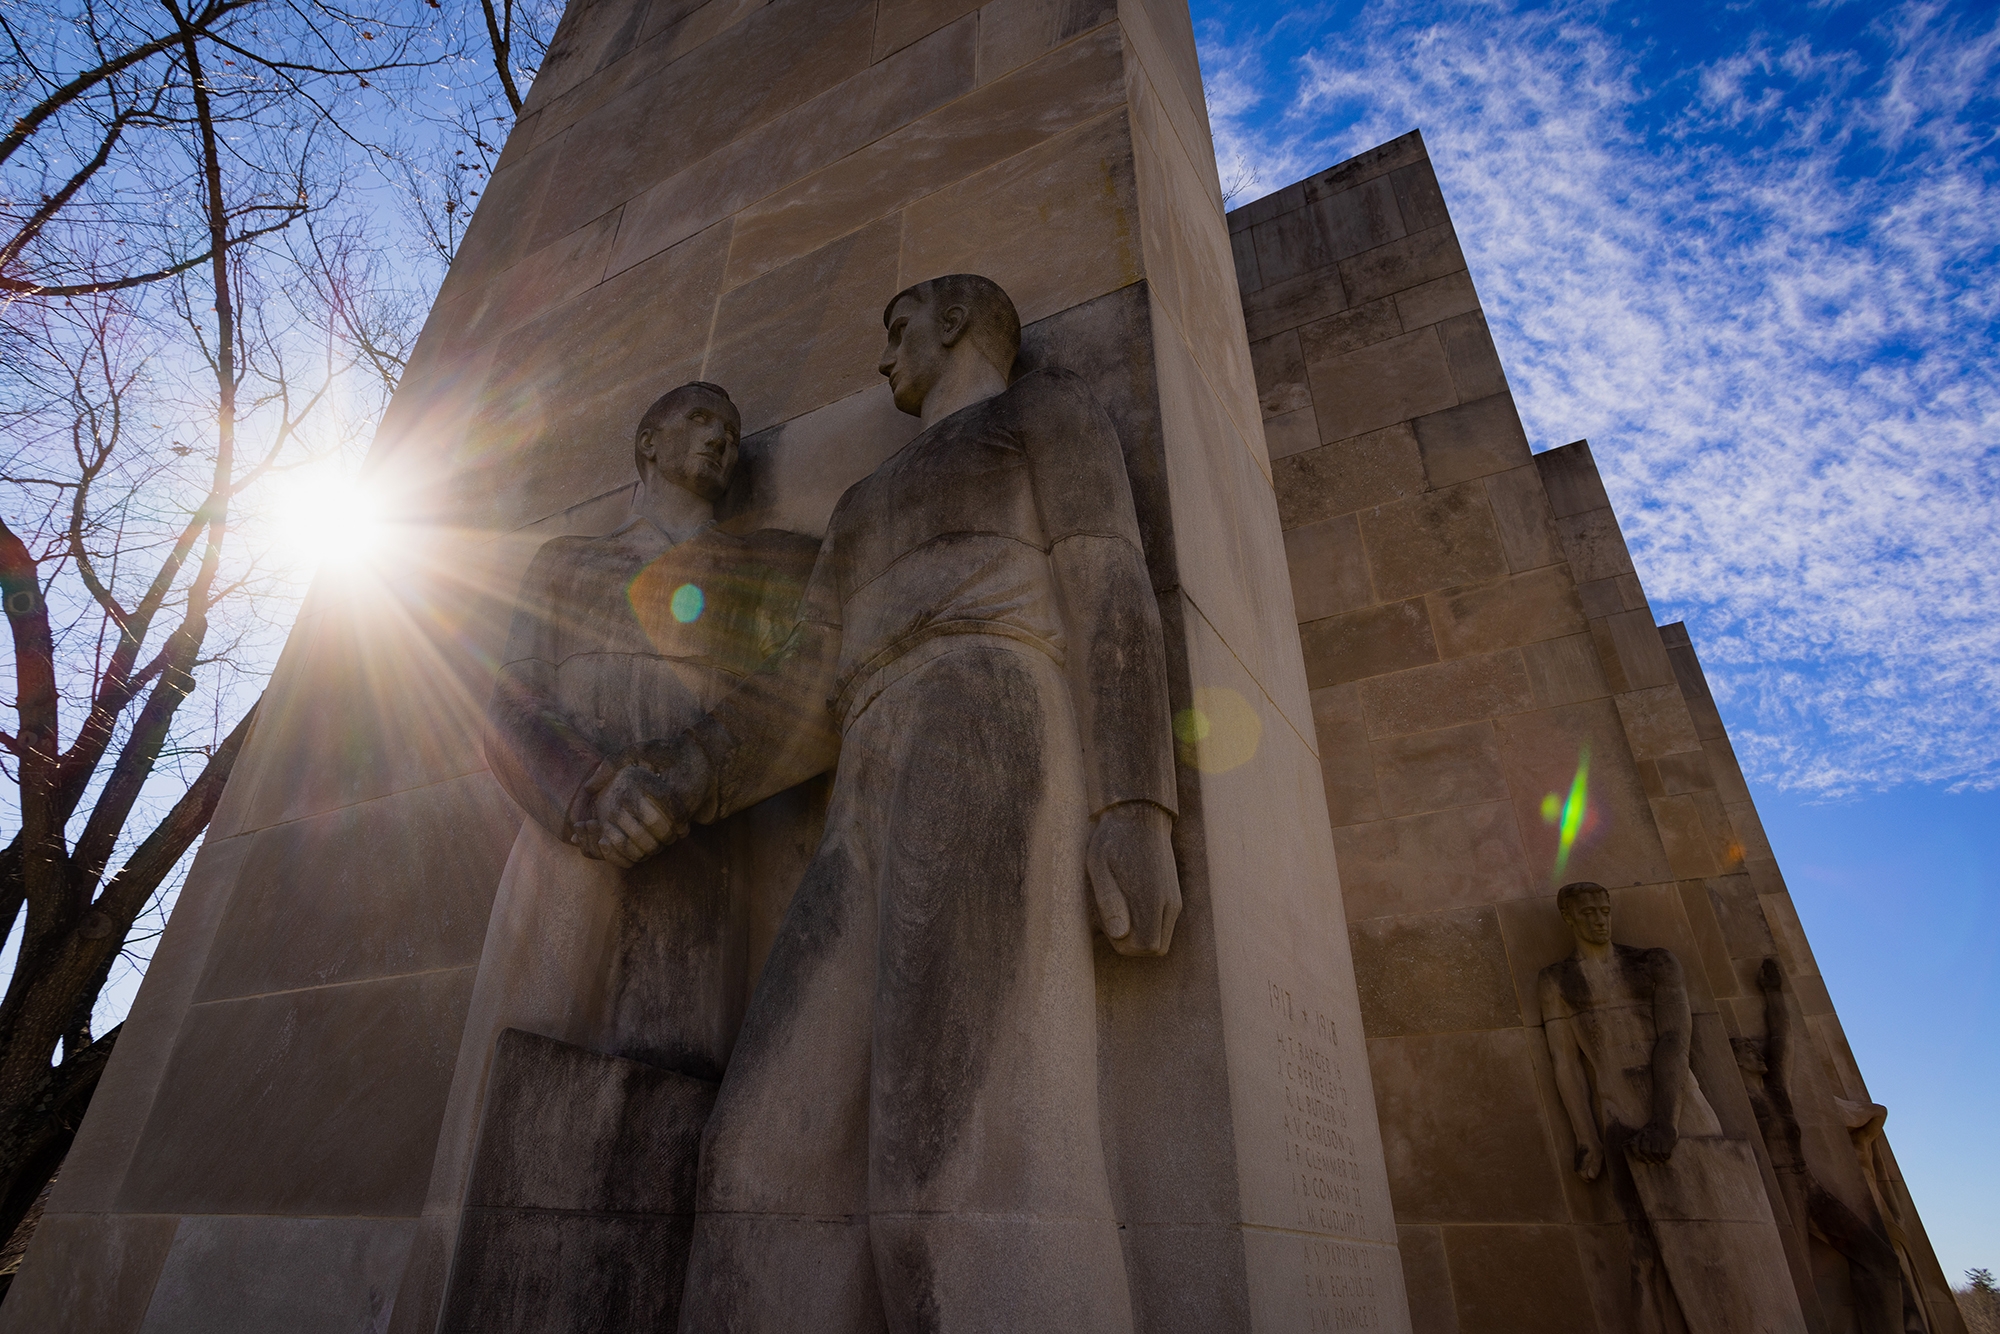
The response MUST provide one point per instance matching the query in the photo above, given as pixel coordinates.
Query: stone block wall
(1477, 643)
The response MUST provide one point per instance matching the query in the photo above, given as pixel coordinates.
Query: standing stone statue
(907, 1136)
(1874, 1274)
(631, 636)
(1705, 1244)
(609, 994)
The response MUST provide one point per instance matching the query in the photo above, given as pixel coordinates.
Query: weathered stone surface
(1444, 859)
(1329, 569)
(297, 920)
(1520, 1278)
(1367, 643)
(1480, 1157)
(1482, 435)
(1433, 771)
(1437, 973)
(320, 1102)
(121, 1253)
(1375, 469)
(1432, 541)
(247, 1275)
(1381, 384)
(580, 1204)
(1509, 612)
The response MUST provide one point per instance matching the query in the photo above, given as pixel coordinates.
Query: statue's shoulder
(782, 544)
(1652, 957)
(772, 548)
(1050, 382)
(1645, 965)
(1558, 985)
(561, 559)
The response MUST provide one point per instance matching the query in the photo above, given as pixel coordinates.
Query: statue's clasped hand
(632, 813)
(1655, 1142)
(1134, 886)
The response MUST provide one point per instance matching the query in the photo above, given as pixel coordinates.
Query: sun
(328, 521)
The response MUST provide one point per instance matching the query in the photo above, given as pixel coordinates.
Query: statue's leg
(990, 1201)
(677, 988)
(1872, 1265)
(781, 1239)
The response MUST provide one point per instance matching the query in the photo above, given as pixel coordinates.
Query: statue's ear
(953, 321)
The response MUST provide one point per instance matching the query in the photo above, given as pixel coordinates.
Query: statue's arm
(1777, 1020)
(776, 729)
(1117, 660)
(1673, 1025)
(537, 755)
(1572, 1084)
(1111, 619)
(773, 731)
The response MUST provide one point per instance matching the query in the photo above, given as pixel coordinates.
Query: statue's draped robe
(649, 963)
(909, 1130)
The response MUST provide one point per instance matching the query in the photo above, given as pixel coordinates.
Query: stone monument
(410, 1058)
(1498, 713)
(1705, 1247)
(730, 193)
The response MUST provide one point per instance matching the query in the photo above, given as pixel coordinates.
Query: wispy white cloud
(1764, 288)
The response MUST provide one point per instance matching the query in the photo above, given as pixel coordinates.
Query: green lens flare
(1567, 813)
(1190, 726)
(686, 603)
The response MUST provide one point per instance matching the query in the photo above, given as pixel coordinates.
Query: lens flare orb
(1568, 814)
(686, 603)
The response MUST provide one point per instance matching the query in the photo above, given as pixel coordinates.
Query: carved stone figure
(626, 637)
(907, 1136)
(1706, 1253)
(584, 1170)
(1875, 1276)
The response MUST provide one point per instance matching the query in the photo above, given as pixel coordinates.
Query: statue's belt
(867, 682)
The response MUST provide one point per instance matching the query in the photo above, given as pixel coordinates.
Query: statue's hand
(1589, 1161)
(633, 817)
(1132, 877)
(1655, 1142)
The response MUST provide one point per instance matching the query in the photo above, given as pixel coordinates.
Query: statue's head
(935, 322)
(1586, 906)
(689, 437)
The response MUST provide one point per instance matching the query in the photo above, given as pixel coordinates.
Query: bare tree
(200, 288)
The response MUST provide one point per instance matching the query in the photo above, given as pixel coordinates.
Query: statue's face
(696, 448)
(1589, 916)
(916, 354)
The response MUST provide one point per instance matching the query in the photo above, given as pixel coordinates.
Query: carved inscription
(1326, 1174)
(1340, 1290)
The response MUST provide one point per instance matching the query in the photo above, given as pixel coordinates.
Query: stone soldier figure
(907, 1136)
(1619, 1028)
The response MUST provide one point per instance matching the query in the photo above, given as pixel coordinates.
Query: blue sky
(1749, 252)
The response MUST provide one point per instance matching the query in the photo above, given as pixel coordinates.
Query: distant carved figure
(1706, 1252)
(625, 637)
(1875, 1276)
(907, 1137)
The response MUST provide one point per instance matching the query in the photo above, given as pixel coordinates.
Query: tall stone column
(730, 191)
